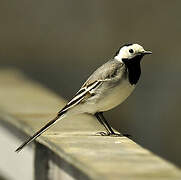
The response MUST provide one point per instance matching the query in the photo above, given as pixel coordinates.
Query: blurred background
(60, 43)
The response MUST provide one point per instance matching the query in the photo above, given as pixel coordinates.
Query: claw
(116, 135)
(103, 133)
(109, 134)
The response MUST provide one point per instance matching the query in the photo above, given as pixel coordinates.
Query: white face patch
(129, 52)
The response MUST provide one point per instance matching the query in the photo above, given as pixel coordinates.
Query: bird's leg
(103, 121)
(111, 130)
(112, 133)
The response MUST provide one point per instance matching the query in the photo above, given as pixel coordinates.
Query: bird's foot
(109, 134)
(116, 135)
(102, 134)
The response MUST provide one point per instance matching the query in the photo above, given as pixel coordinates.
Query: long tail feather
(76, 100)
(38, 133)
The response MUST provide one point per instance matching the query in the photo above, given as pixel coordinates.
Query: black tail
(42, 130)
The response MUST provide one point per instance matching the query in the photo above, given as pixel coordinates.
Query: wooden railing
(70, 149)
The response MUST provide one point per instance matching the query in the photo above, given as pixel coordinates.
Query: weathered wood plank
(27, 106)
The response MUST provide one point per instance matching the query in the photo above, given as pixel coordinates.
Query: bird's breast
(115, 96)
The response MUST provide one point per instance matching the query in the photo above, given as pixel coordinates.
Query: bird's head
(130, 52)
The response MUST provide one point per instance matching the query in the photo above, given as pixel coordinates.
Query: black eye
(131, 51)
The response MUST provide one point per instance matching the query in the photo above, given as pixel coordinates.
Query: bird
(105, 89)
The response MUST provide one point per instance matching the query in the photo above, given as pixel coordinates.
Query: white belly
(105, 101)
(116, 96)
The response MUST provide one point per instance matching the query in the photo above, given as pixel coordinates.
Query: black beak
(146, 52)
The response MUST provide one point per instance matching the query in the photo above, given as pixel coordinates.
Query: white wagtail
(106, 88)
